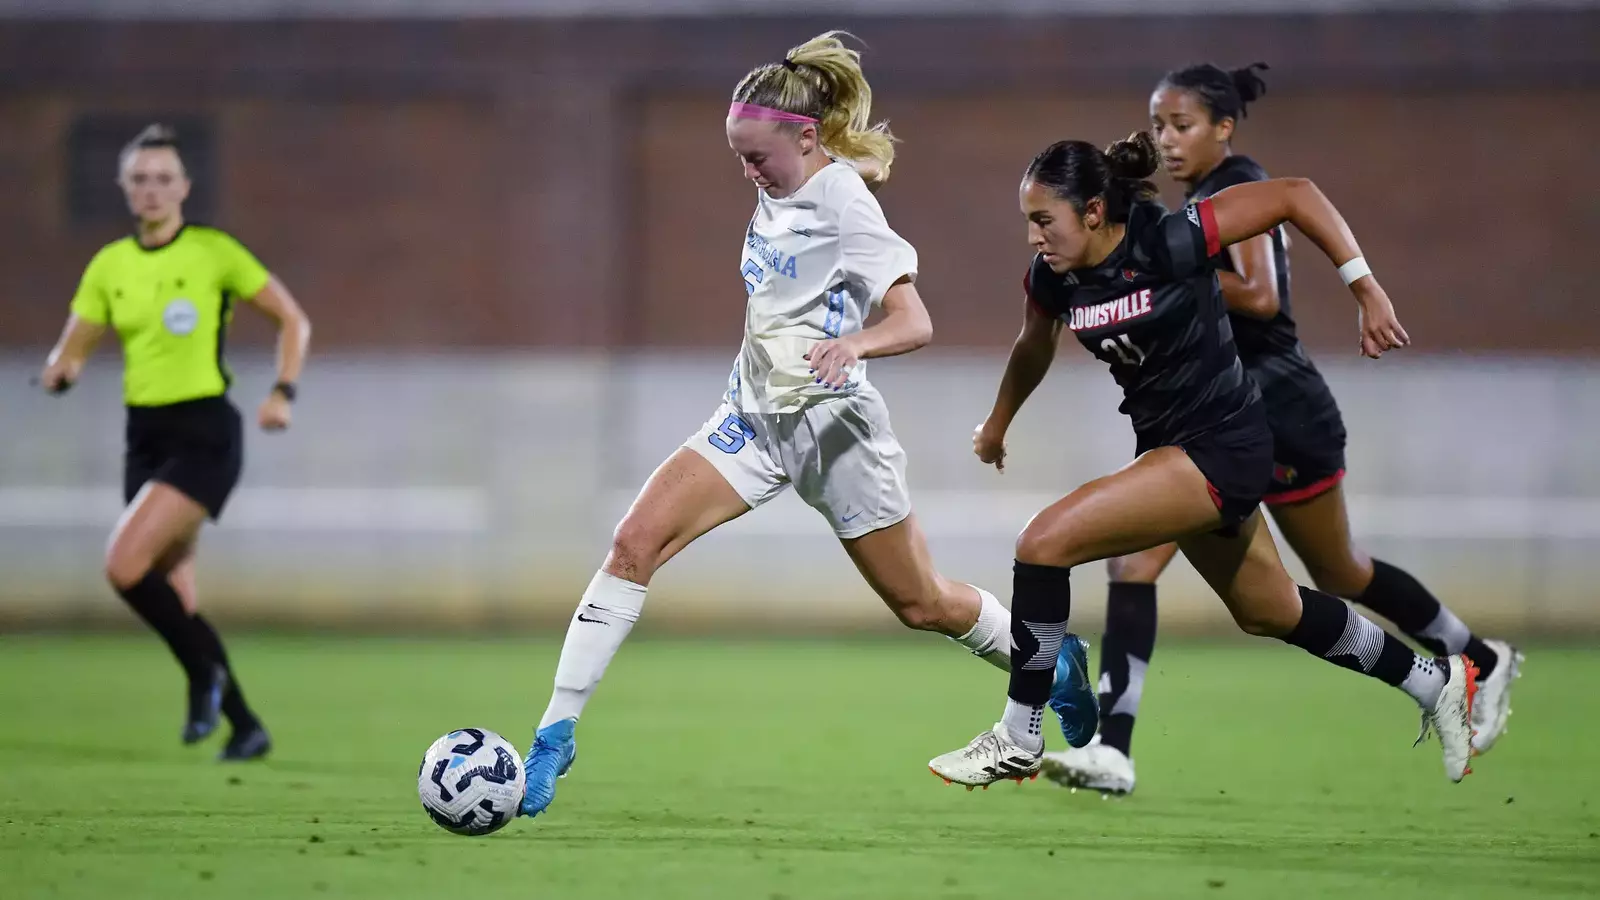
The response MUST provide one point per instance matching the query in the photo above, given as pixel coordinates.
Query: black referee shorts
(196, 446)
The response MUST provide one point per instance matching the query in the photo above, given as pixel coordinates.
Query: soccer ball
(470, 781)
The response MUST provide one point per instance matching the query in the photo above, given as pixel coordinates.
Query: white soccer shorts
(841, 456)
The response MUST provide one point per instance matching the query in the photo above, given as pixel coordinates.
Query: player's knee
(1266, 620)
(918, 617)
(1053, 545)
(124, 569)
(919, 609)
(635, 550)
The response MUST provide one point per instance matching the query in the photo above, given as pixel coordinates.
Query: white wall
(484, 490)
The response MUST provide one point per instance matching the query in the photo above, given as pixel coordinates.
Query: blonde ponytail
(822, 79)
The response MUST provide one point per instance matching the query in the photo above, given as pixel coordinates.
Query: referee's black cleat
(205, 705)
(248, 743)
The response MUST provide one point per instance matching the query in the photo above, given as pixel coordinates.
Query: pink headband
(766, 113)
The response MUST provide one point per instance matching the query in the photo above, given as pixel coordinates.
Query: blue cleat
(249, 743)
(205, 705)
(554, 749)
(1071, 696)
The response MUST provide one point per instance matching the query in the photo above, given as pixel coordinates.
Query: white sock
(990, 638)
(1426, 680)
(610, 607)
(1449, 631)
(1026, 725)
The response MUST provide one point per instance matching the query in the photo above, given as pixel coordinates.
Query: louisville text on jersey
(1111, 312)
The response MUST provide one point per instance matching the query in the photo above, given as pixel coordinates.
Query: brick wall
(567, 184)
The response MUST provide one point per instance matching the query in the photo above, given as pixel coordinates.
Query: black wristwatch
(286, 388)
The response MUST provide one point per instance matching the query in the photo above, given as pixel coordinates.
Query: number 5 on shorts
(730, 438)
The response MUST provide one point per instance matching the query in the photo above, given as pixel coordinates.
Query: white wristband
(1355, 269)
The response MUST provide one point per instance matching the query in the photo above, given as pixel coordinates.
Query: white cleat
(1095, 767)
(1493, 704)
(992, 756)
(1451, 717)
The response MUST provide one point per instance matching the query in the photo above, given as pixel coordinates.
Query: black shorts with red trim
(1236, 460)
(1308, 455)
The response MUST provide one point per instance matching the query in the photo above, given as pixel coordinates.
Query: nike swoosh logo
(582, 618)
(848, 518)
(801, 231)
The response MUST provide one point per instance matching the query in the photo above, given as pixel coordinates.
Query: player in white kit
(817, 258)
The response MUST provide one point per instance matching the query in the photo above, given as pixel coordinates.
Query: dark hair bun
(1249, 85)
(1134, 158)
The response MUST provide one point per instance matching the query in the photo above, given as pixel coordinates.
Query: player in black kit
(1194, 113)
(1138, 288)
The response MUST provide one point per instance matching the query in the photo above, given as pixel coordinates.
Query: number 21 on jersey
(1124, 349)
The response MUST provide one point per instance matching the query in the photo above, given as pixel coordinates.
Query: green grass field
(775, 770)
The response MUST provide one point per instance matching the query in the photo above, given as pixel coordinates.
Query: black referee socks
(157, 603)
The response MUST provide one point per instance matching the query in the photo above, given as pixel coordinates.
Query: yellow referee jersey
(170, 306)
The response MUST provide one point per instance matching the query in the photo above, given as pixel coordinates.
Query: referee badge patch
(180, 317)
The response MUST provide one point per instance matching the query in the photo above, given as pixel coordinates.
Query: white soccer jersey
(814, 265)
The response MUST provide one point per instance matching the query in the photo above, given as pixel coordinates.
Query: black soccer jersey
(1153, 311)
(1269, 348)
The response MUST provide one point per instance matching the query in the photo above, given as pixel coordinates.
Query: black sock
(157, 603)
(1332, 630)
(1482, 656)
(1125, 650)
(1402, 599)
(1041, 601)
(233, 705)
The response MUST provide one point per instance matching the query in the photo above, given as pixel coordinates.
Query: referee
(168, 290)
